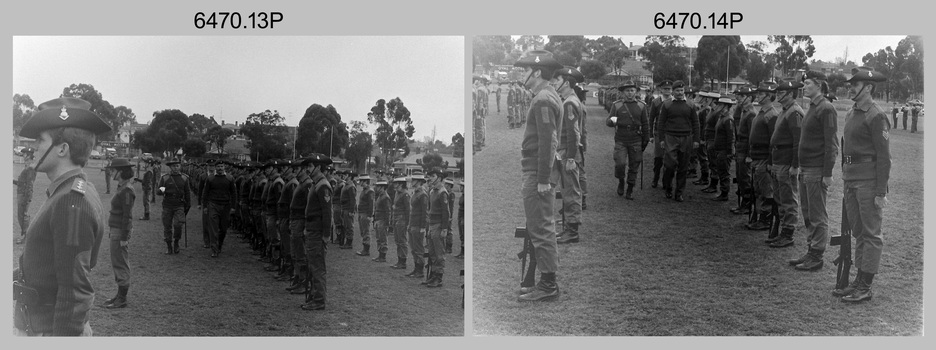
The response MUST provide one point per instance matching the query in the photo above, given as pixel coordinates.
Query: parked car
(95, 154)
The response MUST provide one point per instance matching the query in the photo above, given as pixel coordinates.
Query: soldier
(107, 169)
(366, 215)
(461, 221)
(538, 150)
(270, 199)
(511, 109)
(866, 168)
(631, 136)
(914, 116)
(24, 193)
(762, 128)
(677, 130)
(418, 224)
(666, 90)
(317, 226)
(439, 215)
(157, 174)
(693, 97)
(449, 237)
(743, 116)
(338, 185)
(147, 185)
(288, 268)
(63, 242)
(200, 175)
(894, 112)
(905, 109)
(217, 195)
(784, 145)
(818, 148)
(348, 208)
(569, 135)
(582, 146)
(723, 145)
(381, 219)
(400, 219)
(706, 152)
(497, 93)
(121, 227)
(298, 191)
(175, 188)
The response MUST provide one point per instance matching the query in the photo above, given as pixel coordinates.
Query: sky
(230, 77)
(828, 47)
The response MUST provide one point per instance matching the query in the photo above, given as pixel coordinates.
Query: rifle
(527, 273)
(844, 260)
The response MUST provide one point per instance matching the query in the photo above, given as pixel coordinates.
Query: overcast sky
(231, 77)
(828, 47)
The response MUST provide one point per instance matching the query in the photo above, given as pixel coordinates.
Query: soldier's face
(678, 93)
(630, 93)
(811, 88)
(857, 88)
(666, 91)
(175, 168)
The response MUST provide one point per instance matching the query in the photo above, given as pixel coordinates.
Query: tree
(166, 132)
(23, 109)
(101, 107)
(490, 49)
(217, 136)
(432, 160)
(792, 51)
(718, 55)
(909, 67)
(760, 67)
(665, 57)
(394, 127)
(458, 145)
(530, 42)
(592, 69)
(567, 49)
(194, 147)
(266, 135)
(201, 124)
(362, 143)
(321, 131)
(836, 81)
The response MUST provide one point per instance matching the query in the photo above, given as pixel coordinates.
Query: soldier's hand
(827, 181)
(663, 144)
(748, 160)
(124, 243)
(542, 188)
(880, 201)
(695, 145)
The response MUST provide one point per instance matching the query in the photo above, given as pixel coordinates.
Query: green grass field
(653, 266)
(191, 294)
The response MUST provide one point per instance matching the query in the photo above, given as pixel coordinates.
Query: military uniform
(175, 205)
(148, 180)
(107, 173)
(217, 196)
(631, 136)
(438, 222)
(381, 220)
(677, 127)
(723, 146)
(743, 115)
(318, 225)
(656, 105)
(120, 222)
(569, 134)
(400, 219)
(348, 202)
(24, 193)
(418, 223)
(784, 145)
(762, 128)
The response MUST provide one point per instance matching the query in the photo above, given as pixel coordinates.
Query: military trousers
(723, 170)
(763, 184)
(364, 225)
(315, 255)
(813, 196)
(219, 217)
(436, 248)
(380, 234)
(297, 241)
(399, 237)
(146, 203)
(120, 256)
(270, 226)
(864, 219)
(583, 178)
(206, 223)
(676, 161)
(173, 218)
(913, 124)
(417, 247)
(539, 209)
(701, 156)
(743, 174)
(285, 237)
(786, 193)
(347, 224)
(571, 191)
(627, 159)
(904, 122)
(712, 155)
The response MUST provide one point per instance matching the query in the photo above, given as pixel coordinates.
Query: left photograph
(238, 186)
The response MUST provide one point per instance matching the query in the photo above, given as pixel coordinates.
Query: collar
(61, 179)
(864, 104)
(817, 100)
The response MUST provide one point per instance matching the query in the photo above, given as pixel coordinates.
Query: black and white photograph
(279, 186)
(697, 185)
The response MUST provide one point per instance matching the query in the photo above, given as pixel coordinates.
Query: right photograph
(697, 185)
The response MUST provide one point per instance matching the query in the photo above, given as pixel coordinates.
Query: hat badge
(870, 74)
(536, 60)
(64, 114)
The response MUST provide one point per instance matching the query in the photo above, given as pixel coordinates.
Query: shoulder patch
(78, 186)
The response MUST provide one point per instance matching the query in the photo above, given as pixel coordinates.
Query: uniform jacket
(819, 142)
(121, 213)
(762, 128)
(540, 138)
(439, 207)
(177, 193)
(866, 136)
(784, 143)
(318, 213)
(419, 209)
(632, 125)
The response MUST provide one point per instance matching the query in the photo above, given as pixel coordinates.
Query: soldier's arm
(73, 240)
(546, 130)
(694, 124)
(129, 199)
(879, 137)
(830, 139)
(324, 194)
(795, 123)
(446, 212)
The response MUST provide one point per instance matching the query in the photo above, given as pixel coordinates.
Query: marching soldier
(121, 227)
(707, 153)
(631, 136)
(784, 145)
(348, 208)
(678, 134)
(666, 90)
(569, 135)
(366, 215)
(743, 115)
(318, 225)
(400, 219)
(63, 242)
(418, 224)
(175, 187)
(157, 174)
(762, 128)
(538, 150)
(217, 196)
(439, 215)
(147, 184)
(381, 219)
(723, 145)
(866, 168)
(818, 149)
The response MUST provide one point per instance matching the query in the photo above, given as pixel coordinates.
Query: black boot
(120, 301)
(630, 192)
(435, 281)
(169, 250)
(364, 251)
(400, 265)
(417, 271)
(381, 257)
(620, 188)
(712, 186)
(785, 240)
(546, 289)
(862, 289)
(850, 288)
(812, 262)
(722, 197)
(571, 235)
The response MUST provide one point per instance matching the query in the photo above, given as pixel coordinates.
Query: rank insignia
(79, 186)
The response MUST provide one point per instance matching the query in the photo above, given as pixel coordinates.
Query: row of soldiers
(783, 158)
(288, 209)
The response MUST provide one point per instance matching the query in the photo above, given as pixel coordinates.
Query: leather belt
(858, 159)
(526, 153)
(629, 127)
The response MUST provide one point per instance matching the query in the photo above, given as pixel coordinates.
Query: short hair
(126, 173)
(547, 73)
(80, 142)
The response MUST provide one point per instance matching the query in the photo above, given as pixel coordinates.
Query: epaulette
(78, 186)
